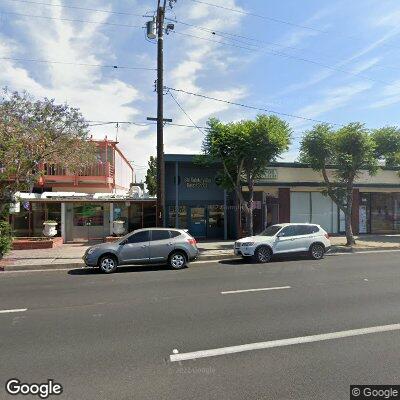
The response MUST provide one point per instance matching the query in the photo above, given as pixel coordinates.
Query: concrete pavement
(111, 336)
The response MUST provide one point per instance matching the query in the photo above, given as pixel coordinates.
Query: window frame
(159, 230)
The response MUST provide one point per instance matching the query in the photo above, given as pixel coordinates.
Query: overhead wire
(76, 7)
(250, 106)
(77, 64)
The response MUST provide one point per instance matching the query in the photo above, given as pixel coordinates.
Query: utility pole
(160, 116)
(155, 29)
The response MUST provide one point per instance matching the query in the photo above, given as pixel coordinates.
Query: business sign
(192, 182)
(271, 174)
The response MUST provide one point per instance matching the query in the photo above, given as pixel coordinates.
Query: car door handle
(170, 244)
(145, 245)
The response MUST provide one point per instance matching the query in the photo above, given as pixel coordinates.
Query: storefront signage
(271, 174)
(192, 182)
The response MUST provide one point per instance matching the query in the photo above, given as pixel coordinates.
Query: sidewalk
(70, 255)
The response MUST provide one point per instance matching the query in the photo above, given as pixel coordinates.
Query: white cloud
(331, 100)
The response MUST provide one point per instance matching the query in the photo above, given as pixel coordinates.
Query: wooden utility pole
(160, 116)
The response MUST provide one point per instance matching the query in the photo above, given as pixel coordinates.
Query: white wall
(314, 207)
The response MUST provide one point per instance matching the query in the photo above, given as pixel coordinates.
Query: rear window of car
(159, 235)
(308, 229)
(175, 233)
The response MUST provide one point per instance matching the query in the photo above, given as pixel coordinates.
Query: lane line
(282, 342)
(13, 311)
(256, 290)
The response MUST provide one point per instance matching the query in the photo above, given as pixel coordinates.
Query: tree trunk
(249, 214)
(348, 216)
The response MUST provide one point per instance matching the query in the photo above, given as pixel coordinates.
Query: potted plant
(118, 227)
(50, 228)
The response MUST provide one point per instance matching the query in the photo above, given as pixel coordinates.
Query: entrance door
(198, 221)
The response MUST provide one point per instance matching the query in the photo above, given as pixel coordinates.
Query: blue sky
(345, 68)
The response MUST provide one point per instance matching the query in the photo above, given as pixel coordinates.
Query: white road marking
(13, 311)
(283, 342)
(256, 290)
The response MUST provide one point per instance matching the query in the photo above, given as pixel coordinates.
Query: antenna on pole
(116, 134)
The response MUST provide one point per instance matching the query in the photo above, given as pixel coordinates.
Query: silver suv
(144, 246)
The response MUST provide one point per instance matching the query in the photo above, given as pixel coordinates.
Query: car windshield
(271, 230)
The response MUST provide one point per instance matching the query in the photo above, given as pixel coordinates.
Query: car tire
(317, 251)
(108, 264)
(263, 254)
(177, 260)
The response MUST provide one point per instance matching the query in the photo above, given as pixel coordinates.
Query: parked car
(283, 239)
(144, 246)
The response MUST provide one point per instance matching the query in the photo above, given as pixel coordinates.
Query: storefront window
(182, 217)
(38, 216)
(216, 216)
(135, 216)
(121, 212)
(20, 221)
(384, 212)
(149, 215)
(53, 211)
(88, 215)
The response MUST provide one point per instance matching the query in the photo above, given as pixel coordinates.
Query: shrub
(5, 238)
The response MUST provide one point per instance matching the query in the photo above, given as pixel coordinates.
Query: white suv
(285, 238)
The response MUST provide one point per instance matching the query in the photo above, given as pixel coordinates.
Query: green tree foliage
(151, 176)
(387, 140)
(245, 149)
(340, 155)
(5, 238)
(33, 132)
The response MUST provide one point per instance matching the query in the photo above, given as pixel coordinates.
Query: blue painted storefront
(203, 205)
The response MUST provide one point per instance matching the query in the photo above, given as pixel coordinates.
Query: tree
(340, 156)
(151, 176)
(245, 149)
(34, 132)
(387, 141)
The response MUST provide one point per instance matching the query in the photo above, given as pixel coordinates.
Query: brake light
(327, 235)
(192, 241)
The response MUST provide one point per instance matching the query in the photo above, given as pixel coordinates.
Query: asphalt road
(111, 336)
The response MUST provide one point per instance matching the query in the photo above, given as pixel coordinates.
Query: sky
(334, 61)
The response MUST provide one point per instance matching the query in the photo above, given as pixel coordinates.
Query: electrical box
(151, 29)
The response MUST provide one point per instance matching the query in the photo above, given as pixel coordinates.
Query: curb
(74, 265)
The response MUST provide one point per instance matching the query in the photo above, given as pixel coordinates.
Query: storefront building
(81, 217)
(289, 192)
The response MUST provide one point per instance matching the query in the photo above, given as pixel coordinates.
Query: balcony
(99, 174)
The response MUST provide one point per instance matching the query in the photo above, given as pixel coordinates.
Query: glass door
(198, 222)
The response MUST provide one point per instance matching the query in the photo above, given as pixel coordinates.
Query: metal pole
(160, 117)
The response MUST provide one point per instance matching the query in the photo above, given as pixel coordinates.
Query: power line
(285, 22)
(72, 20)
(281, 21)
(77, 64)
(77, 8)
(250, 107)
(294, 57)
(102, 123)
(182, 109)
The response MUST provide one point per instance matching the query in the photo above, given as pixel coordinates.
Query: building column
(355, 219)
(176, 195)
(111, 217)
(284, 205)
(63, 220)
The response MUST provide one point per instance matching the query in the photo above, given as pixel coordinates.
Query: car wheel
(263, 254)
(177, 260)
(108, 264)
(317, 251)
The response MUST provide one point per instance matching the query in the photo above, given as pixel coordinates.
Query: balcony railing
(99, 169)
